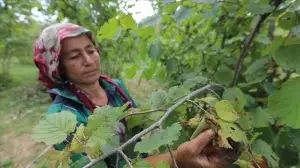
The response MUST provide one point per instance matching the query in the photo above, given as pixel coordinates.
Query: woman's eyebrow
(89, 46)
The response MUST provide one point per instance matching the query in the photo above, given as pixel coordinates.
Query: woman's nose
(87, 59)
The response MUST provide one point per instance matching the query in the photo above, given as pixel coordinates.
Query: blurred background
(22, 99)
(152, 44)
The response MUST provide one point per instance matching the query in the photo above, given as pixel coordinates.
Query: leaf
(145, 32)
(54, 128)
(166, 2)
(151, 20)
(264, 149)
(108, 30)
(139, 163)
(224, 75)
(127, 22)
(101, 125)
(155, 50)
(60, 157)
(209, 100)
(84, 161)
(182, 13)
(256, 69)
(284, 103)
(260, 118)
(237, 98)
(162, 137)
(226, 111)
(287, 20)
(288, 56)
(113, 143)
(131, 71)
(205, 1)
(230, 130)
(177, 92)
(260, 9)
(159, 99)
(162, 164)
(76, 144)
(245, 121)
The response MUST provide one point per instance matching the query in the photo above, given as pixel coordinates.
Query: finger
(198, 143)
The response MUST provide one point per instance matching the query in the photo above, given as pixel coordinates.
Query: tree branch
(239, 65)
(39, 156)
(126, 158)
(151, 128)
(144, 112)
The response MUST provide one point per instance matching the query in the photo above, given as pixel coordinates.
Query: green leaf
(260, 9)
(288, 56)
(284, 103)
(287, 20)
(182, 13)
(131, 71)
(149, 72)
(159, 99)
(163, 137)
(145, 32)
(260, 118)
(263, 148)
(77, 143)
(245, 121)
(109, 29)
(155, 50)
(101, 125)
(139, 163)
(177, 92)
(237, 98)
(54, 128)
(162, 164)
(127, 22)
(256, 68)
(226, 111)
(224, 75)
(84, 161)
(230, 130)
(151, 20)
(205, 1)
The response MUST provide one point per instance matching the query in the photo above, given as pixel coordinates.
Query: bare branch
(39, 156)
(151, 128)
(172, 157)
(117, 160)
(248, 42)
(144, 112)
(126, 158)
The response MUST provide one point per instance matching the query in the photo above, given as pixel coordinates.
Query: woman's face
(80, 60)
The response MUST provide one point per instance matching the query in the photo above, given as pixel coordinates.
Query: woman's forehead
(79, 42)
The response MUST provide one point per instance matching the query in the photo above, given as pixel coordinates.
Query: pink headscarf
(46, 57)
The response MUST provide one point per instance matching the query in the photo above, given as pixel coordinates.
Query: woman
(69, 65)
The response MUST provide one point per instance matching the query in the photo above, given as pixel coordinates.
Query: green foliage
(54, 128)
(284, 103)
(161, 137)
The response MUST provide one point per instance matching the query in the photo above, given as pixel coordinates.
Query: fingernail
(210, 132)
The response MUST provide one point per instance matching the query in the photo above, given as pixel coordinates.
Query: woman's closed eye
(91, 51)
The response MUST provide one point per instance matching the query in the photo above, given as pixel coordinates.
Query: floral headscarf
(46, 57)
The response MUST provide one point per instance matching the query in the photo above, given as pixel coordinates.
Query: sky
(140, 10)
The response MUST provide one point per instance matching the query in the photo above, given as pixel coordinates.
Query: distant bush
(6, 81)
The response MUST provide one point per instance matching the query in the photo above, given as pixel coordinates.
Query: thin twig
(149, 129)
(172, 157)
(39, 156)
(144, 112)
(215, 93)
(117, 160)
(126, 158)
(84, 146)
(253, 159)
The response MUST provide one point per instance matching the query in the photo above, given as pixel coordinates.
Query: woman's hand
(199, 153)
